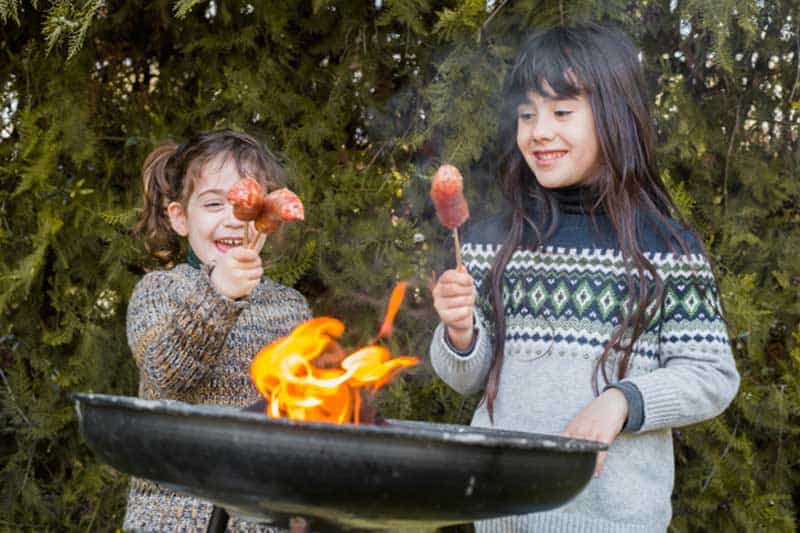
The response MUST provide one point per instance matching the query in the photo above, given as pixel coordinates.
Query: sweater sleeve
(301, 311)
(697, 377)
(176, 324)
(465, 372)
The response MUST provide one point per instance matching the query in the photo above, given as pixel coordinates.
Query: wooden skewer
(246, 237)
(254, 242)
(458, 248)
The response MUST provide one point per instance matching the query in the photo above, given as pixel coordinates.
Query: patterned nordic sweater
(194, 345)
(562, 302)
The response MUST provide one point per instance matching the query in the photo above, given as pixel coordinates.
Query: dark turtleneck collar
(576, 199)
(193, 260)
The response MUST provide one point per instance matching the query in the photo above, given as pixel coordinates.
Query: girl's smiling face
(207, 219)
(558, 139)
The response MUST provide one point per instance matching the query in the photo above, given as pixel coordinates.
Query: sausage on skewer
(281, 205)
(447, 193)
(247, 197)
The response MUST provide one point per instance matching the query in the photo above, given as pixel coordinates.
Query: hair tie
(179, 150)
(175, 169)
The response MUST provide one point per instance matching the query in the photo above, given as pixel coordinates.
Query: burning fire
(284, 373)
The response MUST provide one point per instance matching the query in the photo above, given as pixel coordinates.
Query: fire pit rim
(407, 429)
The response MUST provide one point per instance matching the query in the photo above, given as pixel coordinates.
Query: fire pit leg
(218, 522)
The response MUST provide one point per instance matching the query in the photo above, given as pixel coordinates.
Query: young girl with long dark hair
(590, 308)
(195, 328)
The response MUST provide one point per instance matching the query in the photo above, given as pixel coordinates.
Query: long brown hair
(602, 64)
(169, 173)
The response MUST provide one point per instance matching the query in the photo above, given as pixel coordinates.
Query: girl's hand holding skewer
(237, 272)
(454, 301)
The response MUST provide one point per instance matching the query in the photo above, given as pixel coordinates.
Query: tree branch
(797, 74)
(729, 155)
(13, 399)
(707, 482)
(486, 22)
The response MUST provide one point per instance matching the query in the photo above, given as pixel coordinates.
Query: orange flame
(395, 300)
(297, 389)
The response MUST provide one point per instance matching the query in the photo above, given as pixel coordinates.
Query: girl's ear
(177, 218)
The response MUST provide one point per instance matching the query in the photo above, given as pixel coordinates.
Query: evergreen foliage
(364, 100)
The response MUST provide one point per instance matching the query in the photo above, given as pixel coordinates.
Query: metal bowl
(400, 474)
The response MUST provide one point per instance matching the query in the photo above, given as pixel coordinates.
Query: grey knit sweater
(562, 301)
(195, 345)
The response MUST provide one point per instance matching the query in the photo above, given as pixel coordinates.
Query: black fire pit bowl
(401, 474)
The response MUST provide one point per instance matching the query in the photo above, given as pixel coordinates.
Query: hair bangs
(249, 164)
(248, 158)
(549, 68)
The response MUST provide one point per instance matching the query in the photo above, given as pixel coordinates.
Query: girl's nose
(543, 129)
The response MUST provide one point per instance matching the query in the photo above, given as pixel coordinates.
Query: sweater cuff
(635, 401)
(462, 353)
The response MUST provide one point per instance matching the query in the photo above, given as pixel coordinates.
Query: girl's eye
(563, 112)
(525, 115)
(215, 204)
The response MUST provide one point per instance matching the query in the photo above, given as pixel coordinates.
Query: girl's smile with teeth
(223, 245)
(549, 155)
